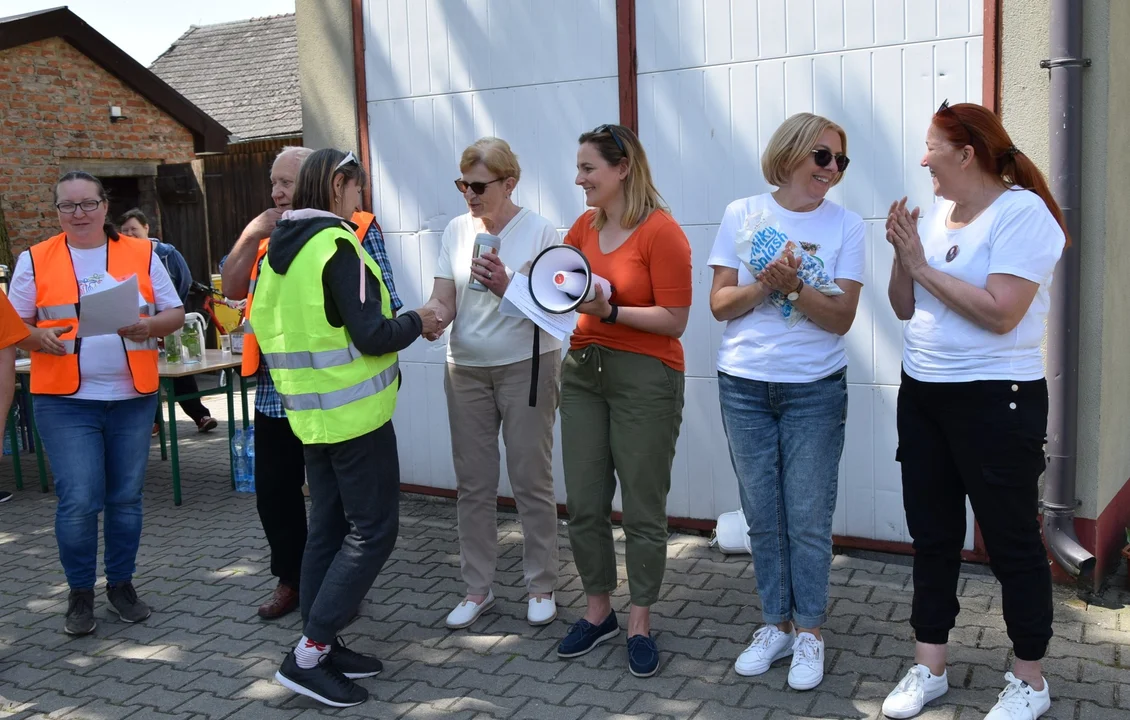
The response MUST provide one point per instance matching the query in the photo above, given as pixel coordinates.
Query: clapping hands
(902, 234)
(781, 274)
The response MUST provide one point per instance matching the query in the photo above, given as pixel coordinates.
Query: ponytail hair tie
(1012, 150)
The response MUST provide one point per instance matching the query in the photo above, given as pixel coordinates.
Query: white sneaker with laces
(467, 612)
(1020, 701)
(769, 645)
(807, 670)
(542, 611)
(918, 687)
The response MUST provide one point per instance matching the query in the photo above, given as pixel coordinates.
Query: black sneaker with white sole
(5, 497)
(323, 682)
(123, 599)
(352, 664)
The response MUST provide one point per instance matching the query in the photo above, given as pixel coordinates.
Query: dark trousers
(354, 519)
(984, 440)
(280, 472)
(193, 408)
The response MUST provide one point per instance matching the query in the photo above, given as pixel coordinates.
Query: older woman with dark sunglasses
(501, 372)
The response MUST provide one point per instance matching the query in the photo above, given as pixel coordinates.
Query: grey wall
(1104, 335)
(325, 61)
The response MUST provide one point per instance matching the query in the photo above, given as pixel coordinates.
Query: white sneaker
(918, 687)
(807, 670)
(769, 645)
(542, 611)
(467, 612)
(1019, 701)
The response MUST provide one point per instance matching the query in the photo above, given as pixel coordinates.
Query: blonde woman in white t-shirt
(783, 389)
(972, 280)
(501, 372)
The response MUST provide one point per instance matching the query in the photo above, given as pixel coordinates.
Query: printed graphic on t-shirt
(92, 282)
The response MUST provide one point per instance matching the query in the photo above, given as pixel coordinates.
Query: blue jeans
(785, 444)
(99, 452)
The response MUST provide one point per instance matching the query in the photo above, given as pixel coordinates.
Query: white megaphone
(561, 279)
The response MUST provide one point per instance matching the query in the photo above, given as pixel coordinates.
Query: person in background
(622, 389)
(491, 365)
(95, 397)
(280, 475)
(783, 389)
(135, 224)
(323, 319)
(972, 280)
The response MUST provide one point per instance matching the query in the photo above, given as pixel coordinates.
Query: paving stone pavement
(204, 567)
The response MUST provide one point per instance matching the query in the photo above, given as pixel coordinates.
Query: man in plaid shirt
(281, 473)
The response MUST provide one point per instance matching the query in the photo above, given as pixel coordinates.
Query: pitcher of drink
(192, 339)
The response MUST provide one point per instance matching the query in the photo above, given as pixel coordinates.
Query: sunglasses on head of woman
(611, 130)
(349, 159)
(476, 187)
(823, 156)
(945, 108)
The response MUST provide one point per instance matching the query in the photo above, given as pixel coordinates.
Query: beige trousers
(479, 401)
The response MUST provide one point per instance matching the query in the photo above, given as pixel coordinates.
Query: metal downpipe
(1066, 149)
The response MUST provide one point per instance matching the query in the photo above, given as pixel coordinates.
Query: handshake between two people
(437, 314)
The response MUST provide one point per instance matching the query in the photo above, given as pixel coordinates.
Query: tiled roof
(244, 74)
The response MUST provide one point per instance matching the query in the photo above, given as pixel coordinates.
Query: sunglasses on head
(611, 130)
(945, 108)
(349, 159)
(823, 156)
(476, 187)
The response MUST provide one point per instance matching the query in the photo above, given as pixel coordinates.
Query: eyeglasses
(611, 130)
(823, 156)
(349, 159)
(68, 208)
(476, 187)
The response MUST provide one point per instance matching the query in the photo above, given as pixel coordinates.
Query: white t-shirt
(1016, 235)
(102, 360)
(481, 336)
(760, 345)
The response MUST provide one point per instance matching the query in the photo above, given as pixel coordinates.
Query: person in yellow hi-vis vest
(323, 320)
(281, 473)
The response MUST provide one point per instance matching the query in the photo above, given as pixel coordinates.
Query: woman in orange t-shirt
(12, 332)
(622, 388)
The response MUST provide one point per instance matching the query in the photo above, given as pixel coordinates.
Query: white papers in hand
(517, 302)
(109, 309)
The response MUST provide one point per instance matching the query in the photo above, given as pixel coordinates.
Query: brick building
(72, 100)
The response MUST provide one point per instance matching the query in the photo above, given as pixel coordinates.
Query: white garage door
(716, 77)
(441, 74)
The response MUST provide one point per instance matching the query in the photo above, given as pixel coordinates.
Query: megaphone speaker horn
(561, 279)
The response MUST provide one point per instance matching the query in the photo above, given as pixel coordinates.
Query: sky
(146, 28)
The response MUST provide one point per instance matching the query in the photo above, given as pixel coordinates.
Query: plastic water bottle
(15, 421)
(239, 452)
(249, 455)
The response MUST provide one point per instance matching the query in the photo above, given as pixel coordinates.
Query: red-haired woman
(972, 280)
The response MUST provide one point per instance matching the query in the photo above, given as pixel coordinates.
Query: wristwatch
(796, 293)
(611, 319)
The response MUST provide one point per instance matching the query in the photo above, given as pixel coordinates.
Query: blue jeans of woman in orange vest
(99, 451)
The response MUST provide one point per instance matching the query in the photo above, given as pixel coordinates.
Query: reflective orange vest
(250, 364)
(56, 305)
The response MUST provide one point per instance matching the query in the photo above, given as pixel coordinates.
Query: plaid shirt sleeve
(267, 399)
(374, 244)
